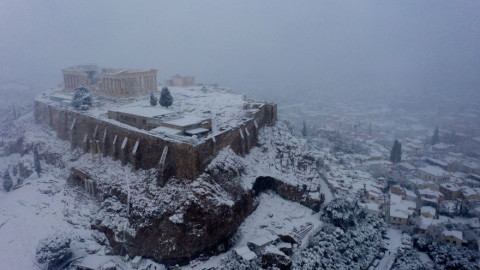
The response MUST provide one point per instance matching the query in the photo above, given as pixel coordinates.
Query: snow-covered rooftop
(185, 121)
(399, 212)
(407, 166)
(453, 233)
(245, 253)
(434, 170)
(450, 187)
(144, 111)
(263, 240)
(428, 209)
(429, 192)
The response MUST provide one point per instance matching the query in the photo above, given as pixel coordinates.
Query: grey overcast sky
(416, 45)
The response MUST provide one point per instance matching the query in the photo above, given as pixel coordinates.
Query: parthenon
(111, 81)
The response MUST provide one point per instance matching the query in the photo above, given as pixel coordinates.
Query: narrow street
(392, 244)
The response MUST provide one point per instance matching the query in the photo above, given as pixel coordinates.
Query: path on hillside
(325, 189)
(392, 244)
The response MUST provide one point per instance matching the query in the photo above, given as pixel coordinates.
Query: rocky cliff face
(173, 223)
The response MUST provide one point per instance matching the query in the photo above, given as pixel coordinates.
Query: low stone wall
(142, 150)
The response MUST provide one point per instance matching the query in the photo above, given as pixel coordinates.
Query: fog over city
(239, 135)
(259, 47)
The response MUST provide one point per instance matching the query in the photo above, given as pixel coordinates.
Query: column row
(129, 85)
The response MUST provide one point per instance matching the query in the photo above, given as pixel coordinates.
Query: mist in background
(277, 50)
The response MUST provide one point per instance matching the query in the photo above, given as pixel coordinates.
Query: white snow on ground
(37, 209)
(273, 216)
(325, 189)
(393, 244)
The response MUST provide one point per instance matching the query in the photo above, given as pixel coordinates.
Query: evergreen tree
(82, 98)
(166, 98)
(14, 170)
(14, 112)
(399, 153)
(393, 152)
(304, 129)
(153, 100)
(204, 89)
(435, 137)
(396, 152)
(36, 161)
(7, 181)
(370, 131)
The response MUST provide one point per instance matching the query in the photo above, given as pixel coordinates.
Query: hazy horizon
(260, 48)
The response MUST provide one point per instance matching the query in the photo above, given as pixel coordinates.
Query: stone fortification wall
(146, 151)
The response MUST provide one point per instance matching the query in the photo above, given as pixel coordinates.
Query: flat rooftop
(186, 121)
(144, 111)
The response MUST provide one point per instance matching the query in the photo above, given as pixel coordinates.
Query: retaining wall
(142, 150)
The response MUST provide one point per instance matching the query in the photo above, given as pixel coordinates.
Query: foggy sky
(257, 47)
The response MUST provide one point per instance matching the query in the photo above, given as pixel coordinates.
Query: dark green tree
(36, 161)
(82, 98)
(435, 137)
(166, 98)
(396, 152)
(14, 171)
(7, 181)
(153, 100)
(304, 129)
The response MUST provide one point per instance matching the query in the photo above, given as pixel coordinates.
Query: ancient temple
(111, 81)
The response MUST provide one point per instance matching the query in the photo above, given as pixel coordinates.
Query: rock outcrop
(189, 220)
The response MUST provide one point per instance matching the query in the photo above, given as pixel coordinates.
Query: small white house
(258, 244)
(244, 253)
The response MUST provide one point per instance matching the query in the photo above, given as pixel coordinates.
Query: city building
(451, 191)
(433, 173)
(428, 212)
(453, 236)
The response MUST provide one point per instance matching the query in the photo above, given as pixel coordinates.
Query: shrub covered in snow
(408, 259)
(7, 181)
(449, 256)
(54, 249)
(342, 213)
(349, 240)
(82, 99)
(241, 265)
(153, 100)
(166, 98)
(446, 255)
